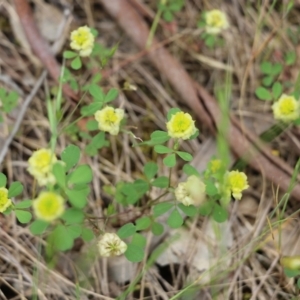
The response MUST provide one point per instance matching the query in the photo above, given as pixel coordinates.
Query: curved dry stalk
(39, 46)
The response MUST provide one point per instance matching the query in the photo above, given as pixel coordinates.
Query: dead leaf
(49, 20)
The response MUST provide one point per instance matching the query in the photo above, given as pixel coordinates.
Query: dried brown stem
(39, 46)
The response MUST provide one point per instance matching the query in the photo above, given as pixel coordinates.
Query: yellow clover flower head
(111, 245)
(181, 126)
(191, 192)
(236, 182)
(215, 165)
(216, 21)
(82, 40)
(5, 203)
(40, 166)
(109, 119)
(286, 109)
(291, 262)
(48, 206)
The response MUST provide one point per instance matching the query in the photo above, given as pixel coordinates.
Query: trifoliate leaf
(291, 273)
(266, 67)
(38, 227)
(184, 155)
(87, 234)
(69, 54)
(23, 216)
(160, 149)
(74, 230)
(150, 170)
(139, 240)
(188, 210)
(92, 125)
(161, 182)
(70, 156)
(76, 63)
(190, 170)
(82, 174)
(73, 216)
(175, 219)
(96, 91)
(263, 94)
(277, 90)
(61, 238)
(206, 208)
(23, 204)
(277, 69)
(157, 228)
(111, 95)
(210, 188)
(59, 173)
(78, 198)
(15, 189)
(161, 208)
(170, 160)
(268, 80)
(126, 231)
(158, 137)
(3, 180)
(143, 223)
(219, 213)
(134, 253)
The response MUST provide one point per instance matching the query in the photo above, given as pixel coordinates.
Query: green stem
(150, 203)
(92, 222)
(59, 93)
(72, 113)
(154, 25)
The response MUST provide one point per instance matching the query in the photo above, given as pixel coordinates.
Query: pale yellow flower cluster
(111, 245)
(40, 166)
(191, 192)
(216, 21)
(286, 109)
(82, 40)
(109, 119)
(48, 206)
(5, 203)
(181, 126)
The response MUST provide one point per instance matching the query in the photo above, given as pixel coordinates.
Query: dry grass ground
(244, 262)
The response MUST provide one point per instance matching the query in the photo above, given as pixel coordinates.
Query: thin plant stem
(154, 25)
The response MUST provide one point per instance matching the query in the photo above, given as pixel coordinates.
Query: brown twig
(39, 46)
(144, 52)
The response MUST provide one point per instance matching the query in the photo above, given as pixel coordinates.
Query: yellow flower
(215, 165)
(191, 192)
(111, 245)
(291, 262)
(181, 125)
(235, 183)
(82, 40)
(48, 206)
(5, 203)
(40, 166)
(109, 119)
(216, 21)
(287, 108)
